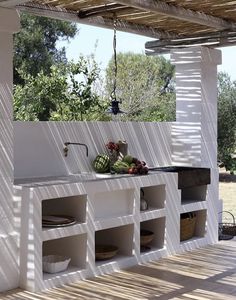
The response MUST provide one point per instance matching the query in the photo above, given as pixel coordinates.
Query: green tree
(226, 120)
(41, 95)
(35, 45)
(144, 85)
(66, 93)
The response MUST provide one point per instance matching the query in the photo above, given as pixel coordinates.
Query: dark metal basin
(188, 176)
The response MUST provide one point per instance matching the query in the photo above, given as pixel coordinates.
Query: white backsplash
(38, 146)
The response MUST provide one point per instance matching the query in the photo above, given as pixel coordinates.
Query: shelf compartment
(60, 232)
(193, 194)
(117, 203)
(157, 226)
(152, 214)
(113, 222)
(200, 225)
(155, 196)
(122, 237)
(74, 206)
(74, 247)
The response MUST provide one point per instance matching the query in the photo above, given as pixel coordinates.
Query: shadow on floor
(203, 274)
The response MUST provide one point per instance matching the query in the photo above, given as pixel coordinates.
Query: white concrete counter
(107, 211)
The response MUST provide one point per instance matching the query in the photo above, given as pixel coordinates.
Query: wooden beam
(180, 13)
(220, 39)
(62, 14)
(85, 13)
(224, 35)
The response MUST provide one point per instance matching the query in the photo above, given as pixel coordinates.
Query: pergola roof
(173, 23)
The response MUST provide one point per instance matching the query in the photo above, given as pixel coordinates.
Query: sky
(96, 40)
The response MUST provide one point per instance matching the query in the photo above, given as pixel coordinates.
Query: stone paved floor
(207, 273)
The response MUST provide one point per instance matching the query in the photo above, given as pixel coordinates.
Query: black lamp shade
(114, 109)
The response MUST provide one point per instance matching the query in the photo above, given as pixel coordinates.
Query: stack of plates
(57, 220)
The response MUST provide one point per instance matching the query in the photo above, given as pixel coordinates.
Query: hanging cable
(114, 102)
(113, 93)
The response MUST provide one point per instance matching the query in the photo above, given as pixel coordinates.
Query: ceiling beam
(61, 14)
(218, 39)
(180, 13)
(85, 13)
(193, 39)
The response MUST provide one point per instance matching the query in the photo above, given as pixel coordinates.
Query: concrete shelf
(122, 237)
(74, 247)
(113, 204)
(200, 225)
(193, 194)
(74, 206)
(157, 226)
(155, 196)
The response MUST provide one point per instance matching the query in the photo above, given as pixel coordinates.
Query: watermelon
(101, 163)
(121, 167)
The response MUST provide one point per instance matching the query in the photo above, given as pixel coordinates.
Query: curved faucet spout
(66, 149)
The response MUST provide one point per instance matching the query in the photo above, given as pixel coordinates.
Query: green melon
(128, 159)
(101, 163)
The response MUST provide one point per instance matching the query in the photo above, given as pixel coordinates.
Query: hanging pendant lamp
(114, 109)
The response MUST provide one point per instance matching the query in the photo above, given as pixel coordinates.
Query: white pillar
(196, 102)
(9, 23)
(195, 133)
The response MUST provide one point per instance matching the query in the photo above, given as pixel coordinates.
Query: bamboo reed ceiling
(173, 23)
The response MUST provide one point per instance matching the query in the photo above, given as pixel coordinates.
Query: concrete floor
(207, 273)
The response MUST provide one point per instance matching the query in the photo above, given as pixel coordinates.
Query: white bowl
(55, 263)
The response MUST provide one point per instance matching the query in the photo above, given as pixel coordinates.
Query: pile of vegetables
(130, 165)
(125, 165)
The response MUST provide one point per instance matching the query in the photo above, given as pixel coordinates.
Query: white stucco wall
(38, 146)
(9, 272)
(196, 102)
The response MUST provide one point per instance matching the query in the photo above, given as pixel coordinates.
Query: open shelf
(122, 237)
(112, 204)
(154, 196)
(193, 194)
(157, 226)
(60, 232)
(74, 206)
(200, 225)
(74, 247)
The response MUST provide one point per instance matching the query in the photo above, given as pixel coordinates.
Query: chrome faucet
(65, 149)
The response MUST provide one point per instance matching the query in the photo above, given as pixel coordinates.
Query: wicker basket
(227, 226)
(187, 226)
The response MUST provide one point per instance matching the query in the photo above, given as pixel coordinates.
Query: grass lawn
(227, 191)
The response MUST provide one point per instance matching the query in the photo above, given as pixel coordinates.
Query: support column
(9, 269)
(195, 132)
(196, 104)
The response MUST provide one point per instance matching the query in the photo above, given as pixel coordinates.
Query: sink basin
(188, 176)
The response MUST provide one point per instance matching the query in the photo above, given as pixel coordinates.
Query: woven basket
(228, 227)
(187, 226)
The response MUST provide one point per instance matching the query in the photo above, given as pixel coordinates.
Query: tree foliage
(35, 45)
(144, 85)
(66, 93)
(226, 120)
